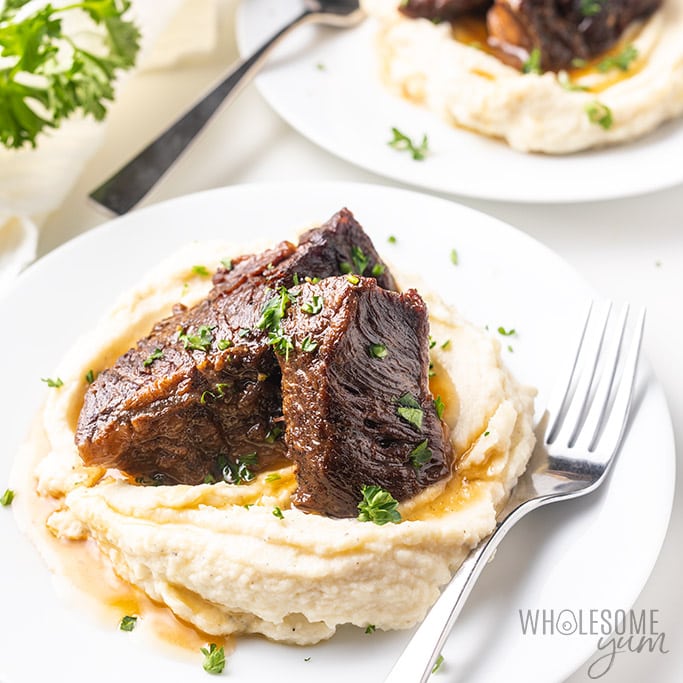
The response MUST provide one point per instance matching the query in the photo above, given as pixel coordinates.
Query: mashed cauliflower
(219, 558)
(548, 113)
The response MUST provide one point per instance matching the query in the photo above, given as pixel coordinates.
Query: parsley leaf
(440, 406)
(378, 506)
(7, 497)
(589, 8)
(202, 271)
(200, 342)
(308, 345)
(359, 264)
(214, 659)
(314, 306)
(621, 61)
(410, 411)
(437, 664)
(53, 383)
(420, 455)
(47, 76)
(278, 513)
(402, 142)
(155, 355)
(378, 350)
(127, 623)
(600, 114)
(533, 63)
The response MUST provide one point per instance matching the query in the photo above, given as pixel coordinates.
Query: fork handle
(419, 657)
(132, 182)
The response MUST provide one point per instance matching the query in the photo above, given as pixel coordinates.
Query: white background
(628, 249)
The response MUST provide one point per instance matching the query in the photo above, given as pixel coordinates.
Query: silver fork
(132, 182)
(585, 422)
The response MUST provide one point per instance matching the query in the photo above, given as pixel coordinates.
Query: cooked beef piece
(201, 394)
(562, 30)
(441, 10)
(355, 394)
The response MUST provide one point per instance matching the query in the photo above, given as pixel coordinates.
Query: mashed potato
(219, 557)
(535, 113)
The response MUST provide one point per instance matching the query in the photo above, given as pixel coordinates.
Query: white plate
(347, 111)
(595, 552)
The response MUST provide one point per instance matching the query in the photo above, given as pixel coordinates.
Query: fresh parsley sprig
(402, 142)
(378, 506)
(47, 76)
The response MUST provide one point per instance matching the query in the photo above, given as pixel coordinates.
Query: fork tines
(590, 410)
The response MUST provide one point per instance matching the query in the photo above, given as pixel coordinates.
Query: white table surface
(629, 250)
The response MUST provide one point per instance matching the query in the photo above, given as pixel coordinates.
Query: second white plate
(324, 83)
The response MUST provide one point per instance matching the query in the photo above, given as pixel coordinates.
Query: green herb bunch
(46, 76)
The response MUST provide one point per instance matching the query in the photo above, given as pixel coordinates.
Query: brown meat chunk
(562, 30)
(356, 396)
(211, 399)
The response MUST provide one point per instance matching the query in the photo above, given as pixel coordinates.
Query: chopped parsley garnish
(312, 280)
(510, 349)
(446, 344)
(377, 270)
(454, 257)
(378, 350)
(370, 628)
(621, 61)
(353, 279)
(359, 262)
(202, 271)
(295, 278)
(409, 411)
(440, 407)
(273, 434)
(127, 623)
(486, 433)
(223, 344)
(227, 263)
(378, 506)
(215, 395)
(278, 513)
(402, 142)
(314, 306)
(238, 472)
(209, 479)
(392, 239)
(52, 383)
(90, 376)
(274, 310)
(507, 333)
(7, 497)
(281, 344)
(48, 75)
(432, 342)
(198, 342)
(273, 476)
(155, 355)
(308, 345)
(437, 665)
(420, 455)
(600, 114)
(272, 314)
(214, 659)
(533, 63)
(244, 332)
(589, 8)
(307, 659)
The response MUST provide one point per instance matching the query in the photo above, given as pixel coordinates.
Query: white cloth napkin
(34, 182)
